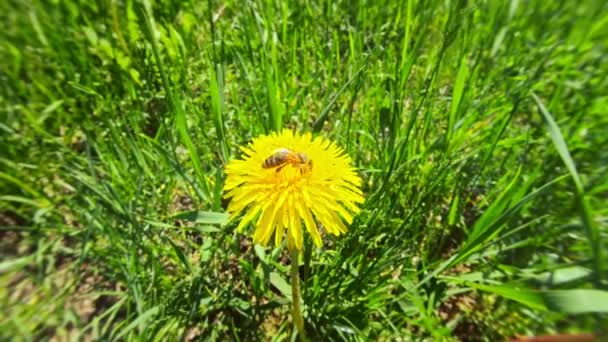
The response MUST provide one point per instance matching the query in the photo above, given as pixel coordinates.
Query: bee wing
(281, 151)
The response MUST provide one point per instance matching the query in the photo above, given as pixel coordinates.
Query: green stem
(295, 295)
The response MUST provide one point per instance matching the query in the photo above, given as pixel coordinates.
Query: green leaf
(205, 217)
(175, 103)
(14, 264)
(274, 100)
(530, 298)
(453, 213)
(281, 284)
(585, 212)
(180, 254)
(564, 275)
(20, 184)
(216, 89)
(559, 142)
(207, 229)
(138, 321)
(457, 93)
(261, 253)
(18, 263)
(318, 124)
(577, 301)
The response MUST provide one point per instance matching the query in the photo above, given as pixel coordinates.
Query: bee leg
(280, 167)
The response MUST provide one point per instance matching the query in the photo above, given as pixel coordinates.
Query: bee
(283, 157)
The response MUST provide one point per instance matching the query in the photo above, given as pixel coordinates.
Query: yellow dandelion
(286, 179)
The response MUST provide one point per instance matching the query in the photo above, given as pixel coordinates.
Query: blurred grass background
(479, 128)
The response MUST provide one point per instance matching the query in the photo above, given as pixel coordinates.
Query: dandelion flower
(286, 180)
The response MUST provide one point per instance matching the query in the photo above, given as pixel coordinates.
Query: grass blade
(139, 321)
(318, 124)
(217, 103)
(530, 298)
(177, 108)
(593, 233)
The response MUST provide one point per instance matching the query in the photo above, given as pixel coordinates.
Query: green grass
(478, 127)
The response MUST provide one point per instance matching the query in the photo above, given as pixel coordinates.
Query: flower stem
(295, 295)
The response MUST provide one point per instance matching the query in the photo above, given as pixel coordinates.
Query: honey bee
(283, 157)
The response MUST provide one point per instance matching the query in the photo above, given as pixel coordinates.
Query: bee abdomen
(272, 161)
(276, 159)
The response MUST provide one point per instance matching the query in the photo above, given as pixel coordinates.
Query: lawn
(478, 128)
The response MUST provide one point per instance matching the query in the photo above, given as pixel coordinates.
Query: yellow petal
(309, 223)
(253, 212)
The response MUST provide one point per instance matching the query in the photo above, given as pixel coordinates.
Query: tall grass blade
(593, 233)
(176, 107)
(217, 103)
(318, 124)
(138, 322)
(530, 298)
(457, 94)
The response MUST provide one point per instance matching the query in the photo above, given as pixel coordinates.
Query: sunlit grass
(478, 129)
